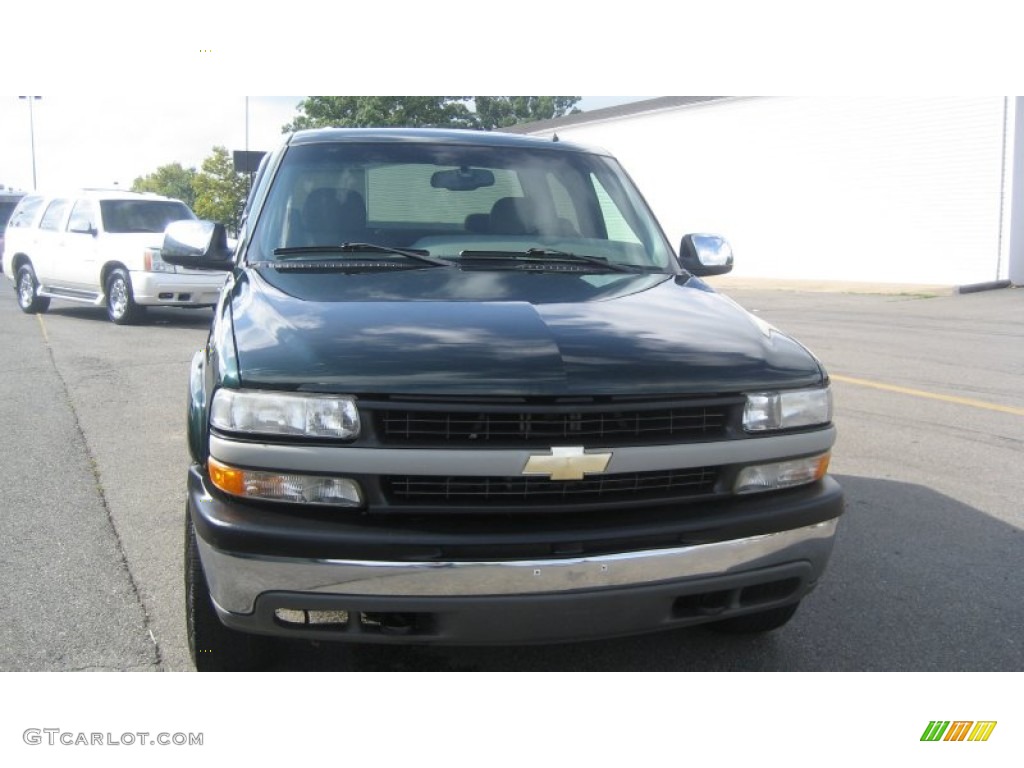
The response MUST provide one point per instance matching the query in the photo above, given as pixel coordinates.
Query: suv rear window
(121, 216)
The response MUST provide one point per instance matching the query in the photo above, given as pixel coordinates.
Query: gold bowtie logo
(567, 464)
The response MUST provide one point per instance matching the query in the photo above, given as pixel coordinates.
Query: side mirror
(197, 245)
(704, 255)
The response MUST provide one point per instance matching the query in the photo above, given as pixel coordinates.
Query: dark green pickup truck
(460, 389)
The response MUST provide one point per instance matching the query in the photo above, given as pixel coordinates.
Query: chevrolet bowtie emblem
(567, 464)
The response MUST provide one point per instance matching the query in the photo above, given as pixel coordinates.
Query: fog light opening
(311, 618)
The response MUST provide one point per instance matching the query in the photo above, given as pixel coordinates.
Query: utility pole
(32, 134)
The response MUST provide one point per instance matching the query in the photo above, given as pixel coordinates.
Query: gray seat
(321, 218)
(328, 220)
(513, 216)
(353, 216)
(480, 223)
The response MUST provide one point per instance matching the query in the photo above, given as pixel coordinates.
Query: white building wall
(1013, 218)
(901, 190)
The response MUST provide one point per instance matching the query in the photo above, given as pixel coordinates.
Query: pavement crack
(95, 470)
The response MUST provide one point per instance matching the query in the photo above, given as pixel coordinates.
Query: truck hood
(454, 332)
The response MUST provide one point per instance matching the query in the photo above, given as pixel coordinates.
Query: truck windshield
(445, 200)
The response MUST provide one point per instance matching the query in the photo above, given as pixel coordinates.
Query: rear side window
(402, 193)
(6, 209)
(53, 216)
(122, 216)
(25, 213)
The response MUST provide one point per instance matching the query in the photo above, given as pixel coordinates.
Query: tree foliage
(382, 111)
(216, 192)
(503, 111)
(170, 181)
(487, 112)
(220, 190)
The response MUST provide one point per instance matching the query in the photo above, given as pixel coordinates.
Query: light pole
(32, 133)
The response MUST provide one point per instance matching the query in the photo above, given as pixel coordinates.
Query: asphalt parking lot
(927, 573)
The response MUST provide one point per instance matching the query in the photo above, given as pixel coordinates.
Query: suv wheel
(762, 621)
(214, 647)
(28, 297)
(121, 306)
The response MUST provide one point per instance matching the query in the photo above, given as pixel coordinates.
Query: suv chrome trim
(506, 463)
(236, 581)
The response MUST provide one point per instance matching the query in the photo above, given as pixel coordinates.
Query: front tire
(121, 306)
(214, 647)
(28, 291)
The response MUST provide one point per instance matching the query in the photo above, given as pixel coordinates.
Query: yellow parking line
(42, 327)
(930, 395)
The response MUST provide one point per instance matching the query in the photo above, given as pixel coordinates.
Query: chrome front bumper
(237, 581)
(173, 289)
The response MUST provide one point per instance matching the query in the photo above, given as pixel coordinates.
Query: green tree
(220, 190)
(381, 111)
(171, 181)
(428, 111)
(503, 111)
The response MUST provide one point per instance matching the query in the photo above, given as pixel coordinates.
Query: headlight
(285, 413)
(781, 474)
(154, 263)
(785, 410)
(281, 486)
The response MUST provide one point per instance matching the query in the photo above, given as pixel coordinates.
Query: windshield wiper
(309, 250)
(553, 255)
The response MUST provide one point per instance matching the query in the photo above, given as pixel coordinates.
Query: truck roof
(437, 136)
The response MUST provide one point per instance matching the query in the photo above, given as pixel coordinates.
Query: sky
(128, 87)
(124, 98)
(103, 141)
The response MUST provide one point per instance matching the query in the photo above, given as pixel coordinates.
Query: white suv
(102, 248)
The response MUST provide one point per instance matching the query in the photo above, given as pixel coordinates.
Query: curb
(730, 282)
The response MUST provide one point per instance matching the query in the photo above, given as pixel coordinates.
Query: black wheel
(121, 306)
(27, 287)
(214, 647)
(762, 621)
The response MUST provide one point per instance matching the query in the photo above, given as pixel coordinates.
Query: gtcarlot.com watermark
(56, 737)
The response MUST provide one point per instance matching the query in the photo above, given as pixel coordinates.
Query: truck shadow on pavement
(918, 581)
(155, 317)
